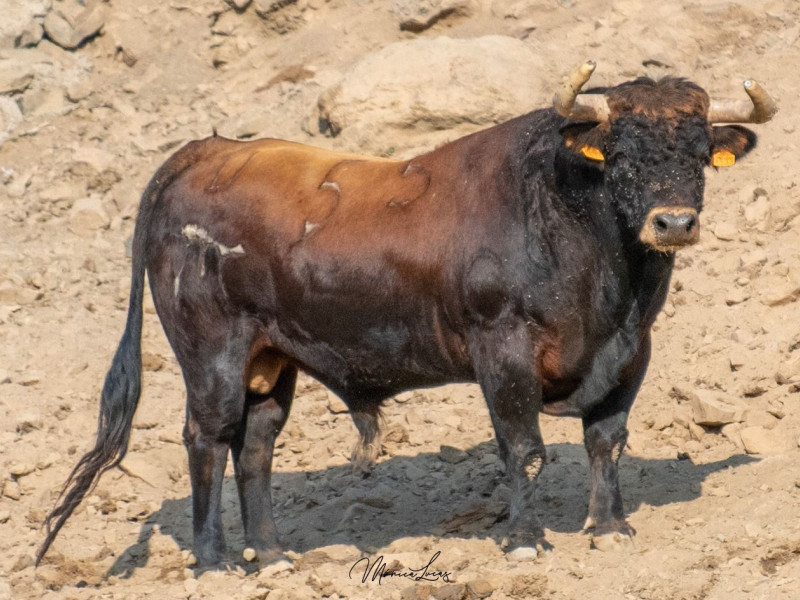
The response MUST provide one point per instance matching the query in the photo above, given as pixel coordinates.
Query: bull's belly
(379, 361)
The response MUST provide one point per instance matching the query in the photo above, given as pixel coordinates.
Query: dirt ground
(717, 509)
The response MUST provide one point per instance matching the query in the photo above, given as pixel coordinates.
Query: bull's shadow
(422, 495)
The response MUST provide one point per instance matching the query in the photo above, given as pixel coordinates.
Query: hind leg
(214, 412)
(368, 447)
(264, 417)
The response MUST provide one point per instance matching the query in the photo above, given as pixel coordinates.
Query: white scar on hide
(193, 233)
(330, 185)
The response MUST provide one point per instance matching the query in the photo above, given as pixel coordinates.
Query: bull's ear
(729, 143)
(585, 139)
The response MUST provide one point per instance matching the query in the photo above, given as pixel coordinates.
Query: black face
(653, 154)
(654, 171)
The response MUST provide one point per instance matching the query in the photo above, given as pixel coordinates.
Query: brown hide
(297, 211)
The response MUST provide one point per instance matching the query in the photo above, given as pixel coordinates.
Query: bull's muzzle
(669, 228)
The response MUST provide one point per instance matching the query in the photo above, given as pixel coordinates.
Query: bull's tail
(122, 386)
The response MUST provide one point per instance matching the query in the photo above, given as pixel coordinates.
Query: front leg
(503, 361)
(605, 435)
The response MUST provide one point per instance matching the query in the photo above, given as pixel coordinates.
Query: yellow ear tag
(592, 153)
(723, 158)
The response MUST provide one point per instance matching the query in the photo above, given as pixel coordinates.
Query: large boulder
(385, 102)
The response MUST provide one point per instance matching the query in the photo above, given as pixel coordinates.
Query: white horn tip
(749, 84)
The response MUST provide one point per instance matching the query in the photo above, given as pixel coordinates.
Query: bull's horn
(759, 109)
(570, 103)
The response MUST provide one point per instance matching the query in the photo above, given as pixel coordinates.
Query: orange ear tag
(592, 153)
(723, 158)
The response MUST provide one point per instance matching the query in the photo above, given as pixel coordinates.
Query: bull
(532, 258)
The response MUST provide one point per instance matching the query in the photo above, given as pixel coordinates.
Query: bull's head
(652, 141)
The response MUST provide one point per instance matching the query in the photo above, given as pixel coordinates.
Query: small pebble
(523, 553)
(249, 554)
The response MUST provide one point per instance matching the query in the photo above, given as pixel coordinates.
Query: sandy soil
(714, 520)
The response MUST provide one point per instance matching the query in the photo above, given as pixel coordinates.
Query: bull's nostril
(672, 227)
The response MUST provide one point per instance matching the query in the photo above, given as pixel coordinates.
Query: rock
(152, 361)
(760, 418)
(5, 515)
(742, 336)
(780, 293)
(249, 554)
(87, 216)
(292, 74)
(709, 410)
(450, 591)
(94, 158)
(452, 455)
(395, 434)
(323, 587)
(788, 371)
(161, 545)
(466, 83)
(20, 21)
(12, 490)
(336, 405)
(23, 562)
(266, 7)
(26, 423)
(239, 5)
(15, 77)
(10, 117)
(752, 529)
(662, 421)
(30, 35)
(757, 214)
(191, 586)
(44, 101)
(13, 293)
(421, 591)
(282, 16)
(758, 440)
(20, 469)
(133, 40)
(415, 473)
(752, 262)
(47, 461)
(419, 15)
(725, 231)
(267, 572)
(476, 517)
(736, 296)
(70, 24)
(737, 356)
(479, 589)
(523, 554)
